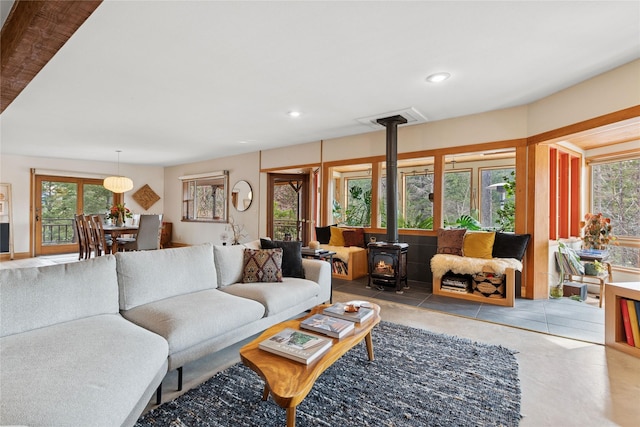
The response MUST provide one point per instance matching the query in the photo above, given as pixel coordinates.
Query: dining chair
(104, 244)
(81, 235)
(91, 236)
(147, 238)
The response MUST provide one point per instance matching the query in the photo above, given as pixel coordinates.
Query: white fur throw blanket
(441, 263)
(342, 252)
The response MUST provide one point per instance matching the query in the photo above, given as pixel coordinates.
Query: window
(358, 195)
(205, 197)
(615, 193)
(457, 195)
(495, 201)
(417, 207)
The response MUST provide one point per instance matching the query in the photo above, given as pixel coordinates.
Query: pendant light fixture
(118, 184)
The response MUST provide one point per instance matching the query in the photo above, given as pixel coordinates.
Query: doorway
(56, 200)
(289, 212)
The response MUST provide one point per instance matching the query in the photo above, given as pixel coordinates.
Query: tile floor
(562, 317)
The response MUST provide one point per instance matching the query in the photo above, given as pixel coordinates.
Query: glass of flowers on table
(117, 213)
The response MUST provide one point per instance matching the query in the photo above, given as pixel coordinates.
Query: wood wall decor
(145, 197)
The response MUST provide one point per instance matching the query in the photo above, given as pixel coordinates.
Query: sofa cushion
(190, 319)
(88, 372)
(509, 245)
(291, 256)
(337, 239)
(42, 296)
(148, 276)
(478, 244)
(450, 241)
(323, 234)
(229, 261)
(276, 297)
(262, 265)
(354, 237)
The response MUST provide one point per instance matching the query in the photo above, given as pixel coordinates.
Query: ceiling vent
(412, 115)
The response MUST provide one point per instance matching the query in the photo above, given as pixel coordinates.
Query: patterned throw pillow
(450, 241)
(262, 265)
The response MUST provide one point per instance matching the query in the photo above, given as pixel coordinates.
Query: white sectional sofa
(87, 343)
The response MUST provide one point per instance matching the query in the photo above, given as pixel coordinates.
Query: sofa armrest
(318, 271)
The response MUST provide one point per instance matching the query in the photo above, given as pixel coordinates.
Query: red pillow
(353, 237)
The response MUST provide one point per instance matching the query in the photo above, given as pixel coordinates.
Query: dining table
(117, 231)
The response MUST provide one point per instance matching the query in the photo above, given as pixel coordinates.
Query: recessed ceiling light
(438, 77)
(243, 142)
(294, 113)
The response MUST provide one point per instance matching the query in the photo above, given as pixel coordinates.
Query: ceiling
(171, 82)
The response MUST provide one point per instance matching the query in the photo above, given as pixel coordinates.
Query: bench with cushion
(350, 260)
(489, 259)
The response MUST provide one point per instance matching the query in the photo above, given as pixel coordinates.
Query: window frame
(190, 202)
(621, 241)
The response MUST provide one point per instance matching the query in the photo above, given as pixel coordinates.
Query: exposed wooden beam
(32, 34)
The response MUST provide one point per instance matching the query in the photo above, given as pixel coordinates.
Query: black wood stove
(388, 260)
(388, 265)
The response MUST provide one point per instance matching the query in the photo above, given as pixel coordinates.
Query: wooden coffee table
(289, 382)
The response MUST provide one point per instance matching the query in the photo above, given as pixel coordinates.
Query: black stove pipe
(391, 123)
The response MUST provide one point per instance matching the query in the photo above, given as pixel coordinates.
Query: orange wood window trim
(576, 185)
(553, 197)
(563, 195)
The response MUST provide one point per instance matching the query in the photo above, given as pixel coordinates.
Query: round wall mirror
(241, 196)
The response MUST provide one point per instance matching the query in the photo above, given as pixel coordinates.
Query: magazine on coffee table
(328, 325)
(340, 310)
(297, 345)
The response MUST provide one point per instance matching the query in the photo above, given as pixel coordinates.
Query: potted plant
(594, 268)
(565, 254)
(597, 232)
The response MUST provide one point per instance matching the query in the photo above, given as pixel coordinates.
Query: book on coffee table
(306, 250)
(338, 310)
(297, 345)
(328, 325)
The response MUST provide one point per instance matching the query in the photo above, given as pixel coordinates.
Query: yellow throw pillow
(478, 244)
(337, 239)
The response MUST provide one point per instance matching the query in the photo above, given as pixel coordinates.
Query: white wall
(16, 170)
(609, 92)
(242, 167)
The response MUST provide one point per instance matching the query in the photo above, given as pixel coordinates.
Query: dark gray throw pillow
(323, 234)
(291, 256)
(509, 245)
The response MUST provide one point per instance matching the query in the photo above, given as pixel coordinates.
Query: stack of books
(630, 310)
(296, 345)
(455, 284)
(340, 267)
(338, 310)
(328, 325)
(306, 250)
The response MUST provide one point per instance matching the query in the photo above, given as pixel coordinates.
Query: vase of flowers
(117, 213)
(597, 232)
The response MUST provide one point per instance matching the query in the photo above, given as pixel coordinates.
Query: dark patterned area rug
(418, 378)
